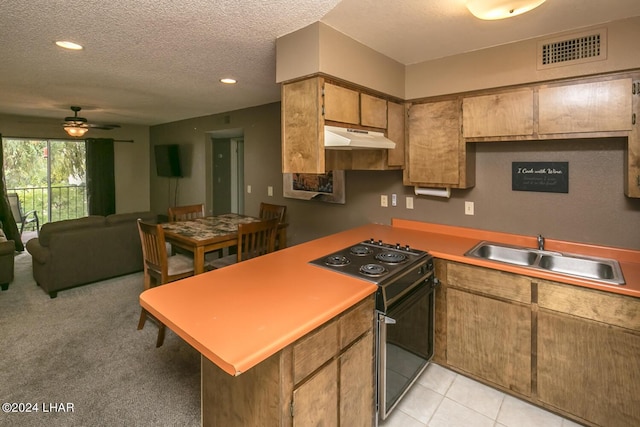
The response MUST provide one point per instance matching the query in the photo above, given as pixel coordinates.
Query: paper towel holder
(434, 192)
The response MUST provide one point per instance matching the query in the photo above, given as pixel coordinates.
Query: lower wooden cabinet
(325, 378)
(489, 336)
(589, 369)
(572, 350)
(490, 339)
(589, 354)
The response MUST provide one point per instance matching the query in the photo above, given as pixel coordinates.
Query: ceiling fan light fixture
(499, 9)
(75, 131)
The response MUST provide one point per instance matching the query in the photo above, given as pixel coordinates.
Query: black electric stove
(395, 268)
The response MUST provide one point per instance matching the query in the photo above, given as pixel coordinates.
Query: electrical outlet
(468, 208)
(270, 191)
(384, 201)
(394, 200)
(409, 202)
(248, 189)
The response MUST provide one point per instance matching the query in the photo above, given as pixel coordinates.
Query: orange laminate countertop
(240, 315)
(450, 243)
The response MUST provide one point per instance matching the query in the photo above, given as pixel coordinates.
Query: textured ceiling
(155, 61)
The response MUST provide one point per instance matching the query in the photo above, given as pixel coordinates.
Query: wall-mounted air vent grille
(573, 49)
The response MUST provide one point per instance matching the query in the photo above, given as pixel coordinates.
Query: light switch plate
(248, 189)
(384, 201)
(270, 191)
(469, 208)
(409, 202)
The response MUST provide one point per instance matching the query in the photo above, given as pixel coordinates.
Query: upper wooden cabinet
(341, 104)
(373, 111)
(302, 127)
(309, 104)
(632, 160)
(600, 106)
(396, 132)
(436, 152)
(500, 114)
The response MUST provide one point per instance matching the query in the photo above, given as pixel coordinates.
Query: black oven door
(404, 345)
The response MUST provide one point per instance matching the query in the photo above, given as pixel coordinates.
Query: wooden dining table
(202, 235)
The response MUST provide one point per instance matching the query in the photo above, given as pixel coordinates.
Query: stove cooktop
(372, 260)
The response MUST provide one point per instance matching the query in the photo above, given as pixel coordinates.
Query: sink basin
(592, 268)
(601, 269)
(502, 253)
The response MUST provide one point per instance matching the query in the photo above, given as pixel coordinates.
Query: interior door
(228, 175)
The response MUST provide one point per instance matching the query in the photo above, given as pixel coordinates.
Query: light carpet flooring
(443, 398)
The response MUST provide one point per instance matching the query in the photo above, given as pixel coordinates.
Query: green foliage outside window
(39, 170)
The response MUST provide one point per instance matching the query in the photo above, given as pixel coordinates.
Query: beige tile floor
(443, 398)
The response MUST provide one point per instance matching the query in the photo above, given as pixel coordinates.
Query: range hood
(336, 138)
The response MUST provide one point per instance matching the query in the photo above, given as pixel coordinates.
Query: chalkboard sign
(547, 177)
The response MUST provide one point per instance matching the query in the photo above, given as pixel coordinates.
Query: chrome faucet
(540, 242)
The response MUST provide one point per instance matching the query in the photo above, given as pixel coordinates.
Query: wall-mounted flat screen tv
(168, 160)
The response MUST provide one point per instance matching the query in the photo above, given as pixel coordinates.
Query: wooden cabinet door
(315, 402)
(490, 339)
(373, 111)
(632, 162)
(357, 377)
(589, 369)
(500, 114)
(395, 132)
(586, 107)
(434, 144)
(302, 134)
(341, 104)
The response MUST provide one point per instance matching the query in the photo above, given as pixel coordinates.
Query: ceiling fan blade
(104, 126)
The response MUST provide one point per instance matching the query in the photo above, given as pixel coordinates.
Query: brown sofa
(78, 251)
(7, 253)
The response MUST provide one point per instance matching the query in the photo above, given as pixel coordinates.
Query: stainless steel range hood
(336, 138)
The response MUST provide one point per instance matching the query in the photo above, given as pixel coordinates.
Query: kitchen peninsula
(253, 321)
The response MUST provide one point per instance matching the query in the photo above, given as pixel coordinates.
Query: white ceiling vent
(572, 49)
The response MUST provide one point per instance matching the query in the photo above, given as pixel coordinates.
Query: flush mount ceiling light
(228, 81)
(500, 9)
(69, 45)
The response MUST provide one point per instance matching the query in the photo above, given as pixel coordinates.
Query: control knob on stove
(398, 246)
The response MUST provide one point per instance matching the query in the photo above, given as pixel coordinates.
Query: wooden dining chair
(183, 213)
(254, 239)
(268, 211)
(159, 268)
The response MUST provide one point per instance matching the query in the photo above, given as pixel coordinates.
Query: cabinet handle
(633, 119)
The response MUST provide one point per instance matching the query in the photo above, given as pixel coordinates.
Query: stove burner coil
(337, 261)
(360, 250)
(373, 270)
(391, 257)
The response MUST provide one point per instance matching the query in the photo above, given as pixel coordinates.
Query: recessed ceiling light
(228, 81)
(69, 45)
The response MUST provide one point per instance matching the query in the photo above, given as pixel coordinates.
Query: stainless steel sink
(601, 269)
(503, 253)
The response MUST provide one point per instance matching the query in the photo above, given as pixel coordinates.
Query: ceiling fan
(78, 126)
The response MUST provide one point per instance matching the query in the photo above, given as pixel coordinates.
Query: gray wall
(594, 211)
